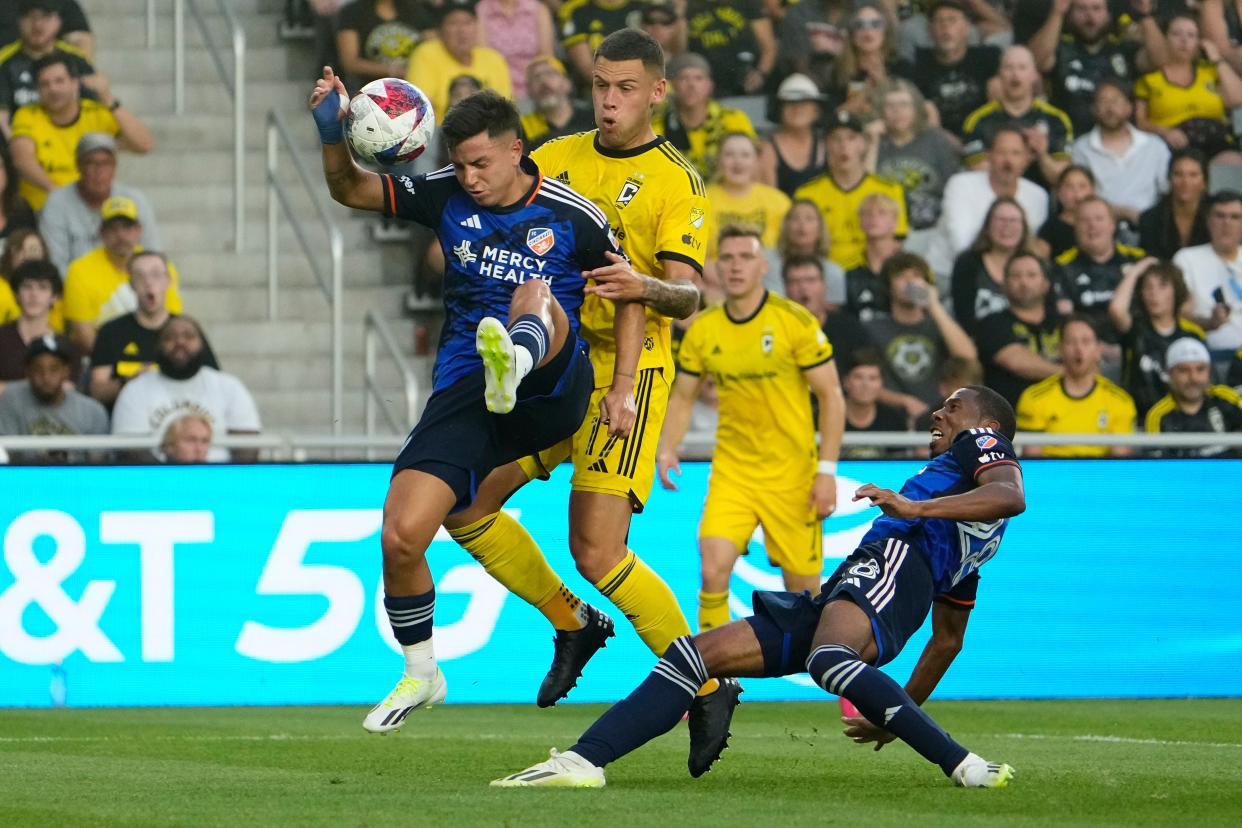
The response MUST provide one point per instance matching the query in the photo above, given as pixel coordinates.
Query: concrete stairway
(286, 363)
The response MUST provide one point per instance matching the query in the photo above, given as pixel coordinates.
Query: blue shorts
(459, 441)
(888, 579)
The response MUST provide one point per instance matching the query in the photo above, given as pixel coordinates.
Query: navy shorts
(459, 441)
(888, 579)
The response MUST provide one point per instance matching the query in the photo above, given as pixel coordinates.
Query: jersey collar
(629, 153)
(758, 308)
(529, 167)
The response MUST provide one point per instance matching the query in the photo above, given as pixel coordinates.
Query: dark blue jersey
(953, 548)
(552, 234)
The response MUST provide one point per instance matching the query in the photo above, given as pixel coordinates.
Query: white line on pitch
(1119, 740)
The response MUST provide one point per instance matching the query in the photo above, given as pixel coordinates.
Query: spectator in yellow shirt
(45, 135)
(97, 286)
(692, 121)
(737, 197)
(435, 63)
(24, 245)
(1077, 400)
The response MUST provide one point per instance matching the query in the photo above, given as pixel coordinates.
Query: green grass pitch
(1099, 762)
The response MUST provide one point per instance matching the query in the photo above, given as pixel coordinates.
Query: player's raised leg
(536, 331)
(510, 555)
(653, 709)
(417, 503)
(839, 663)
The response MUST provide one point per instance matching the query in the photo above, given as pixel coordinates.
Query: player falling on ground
(763, 352)
(655, 202)
(516, 246)
(925, 549)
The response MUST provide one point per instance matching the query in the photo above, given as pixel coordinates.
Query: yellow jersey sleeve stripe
(10, 50)
(1224, 392)
(696, 181)
(1157, 413)
(973, 119)
(1068, 256)
(1193, 328)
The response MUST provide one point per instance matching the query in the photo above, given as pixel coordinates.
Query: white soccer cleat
(562, 770)
(409, 695)
(977, 772)
(494, 346)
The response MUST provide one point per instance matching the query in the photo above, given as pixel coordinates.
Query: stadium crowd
(1039, 194)
(91, 336)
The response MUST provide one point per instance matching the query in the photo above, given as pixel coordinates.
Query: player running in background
(516, 245)
(763, 352)
(655, 202)
(925, 550)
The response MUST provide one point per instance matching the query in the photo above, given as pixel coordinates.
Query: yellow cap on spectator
(119, 207)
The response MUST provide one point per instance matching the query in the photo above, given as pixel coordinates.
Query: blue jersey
(954, 549)
(552, 234)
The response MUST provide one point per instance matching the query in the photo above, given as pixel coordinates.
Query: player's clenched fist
(617, 409)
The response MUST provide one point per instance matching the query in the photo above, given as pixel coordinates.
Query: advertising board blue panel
(260, 585)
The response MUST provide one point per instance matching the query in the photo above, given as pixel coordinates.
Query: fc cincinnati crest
(540, 240)
(985, 442)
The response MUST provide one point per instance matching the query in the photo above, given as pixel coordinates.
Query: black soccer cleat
(710, 717)
(574, 648)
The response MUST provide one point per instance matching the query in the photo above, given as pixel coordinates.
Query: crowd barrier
(240, 585)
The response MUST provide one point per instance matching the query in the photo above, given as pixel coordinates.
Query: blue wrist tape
(328, 120)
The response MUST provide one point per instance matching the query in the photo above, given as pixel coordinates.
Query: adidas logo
(715, 350)
(890, 712)
(563, 176)
(598, 466)
(473, 222)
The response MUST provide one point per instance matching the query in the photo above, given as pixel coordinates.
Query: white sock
(420, 660)
(525, 361)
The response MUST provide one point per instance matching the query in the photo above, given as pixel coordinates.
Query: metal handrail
(331, 283)
(234, 82)
(375, 331)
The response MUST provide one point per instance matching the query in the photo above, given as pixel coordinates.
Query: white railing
(375, 332)
(332, 282)
(281, 445)
(234, 81)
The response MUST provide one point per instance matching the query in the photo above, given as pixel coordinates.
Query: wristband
(328, 119)
(828, 467)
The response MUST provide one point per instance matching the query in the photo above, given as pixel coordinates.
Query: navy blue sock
(654, 708)
(529, 331)
(411, 616)
(837, 669)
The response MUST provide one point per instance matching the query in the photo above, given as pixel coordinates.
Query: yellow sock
(511, 556)
(644, 598)
(713, 609)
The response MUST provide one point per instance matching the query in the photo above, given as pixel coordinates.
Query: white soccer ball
(390, 122)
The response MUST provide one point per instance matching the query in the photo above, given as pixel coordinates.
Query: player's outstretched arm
(618, 408)
(348, 183)
(999, 495)
(676, 422)
(826, 386)
(674, 296)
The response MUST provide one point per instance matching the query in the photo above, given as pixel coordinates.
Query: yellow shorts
(792, 535)
(625, 468)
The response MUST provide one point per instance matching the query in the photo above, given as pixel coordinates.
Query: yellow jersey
(766, 435)
(96, 290)
(433, 69)
(1168, 104)
(1046, 407)
(763, 207)
(840, 211)
(657, 206)
(56, 146)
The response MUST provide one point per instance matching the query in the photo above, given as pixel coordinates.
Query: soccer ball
(390, 122)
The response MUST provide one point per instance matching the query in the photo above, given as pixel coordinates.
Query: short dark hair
(1224, 197)
(37, 270)
(1081, 318)
(1194, 155)
(632, 44)
(144, 254)
(1116, 83)
(52, 59)
(802, 260)
(1075, 168)
(992, 406)
(867, 355)
(902, 261)
(485, 111)
(738, 230)
(1168, 273)
(1011, 128)
(1026, 254)
(960, 368)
